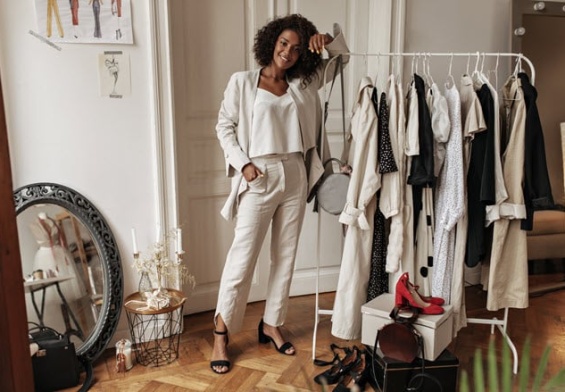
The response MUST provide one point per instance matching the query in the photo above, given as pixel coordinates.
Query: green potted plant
(502, 379)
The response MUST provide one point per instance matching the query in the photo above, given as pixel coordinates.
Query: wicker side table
(155, 333)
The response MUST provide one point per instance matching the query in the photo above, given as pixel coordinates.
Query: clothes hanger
(518, 66)
(468, 62)
(495, 71)
(476, 76)
(450, 82)
(378, 72)
(412, 72)
(398, 74)
(424, 73)
(514, 76)
(428, 58)
(482, 73)
(393, 67)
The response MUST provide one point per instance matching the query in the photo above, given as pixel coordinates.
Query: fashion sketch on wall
(114, 74)
(85, 21)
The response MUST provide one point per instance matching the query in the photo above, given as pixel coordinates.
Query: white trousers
(278, 197)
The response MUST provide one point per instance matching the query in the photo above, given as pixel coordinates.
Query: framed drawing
(86, 21)
(114, 73)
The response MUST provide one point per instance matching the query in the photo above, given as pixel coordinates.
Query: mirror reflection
(63, 275)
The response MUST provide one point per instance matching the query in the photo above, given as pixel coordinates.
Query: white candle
(134, 239)
(179, 240)
(158, 233)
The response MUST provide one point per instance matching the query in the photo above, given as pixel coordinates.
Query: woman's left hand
(318, 42)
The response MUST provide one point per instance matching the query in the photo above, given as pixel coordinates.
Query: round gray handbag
(332, 192)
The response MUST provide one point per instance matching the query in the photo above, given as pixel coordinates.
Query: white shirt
(275, 127)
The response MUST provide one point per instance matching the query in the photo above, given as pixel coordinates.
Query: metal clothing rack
(494, 322)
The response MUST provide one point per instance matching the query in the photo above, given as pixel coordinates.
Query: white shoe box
(436, 330)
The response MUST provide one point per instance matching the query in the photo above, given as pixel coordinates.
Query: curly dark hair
(265, 41)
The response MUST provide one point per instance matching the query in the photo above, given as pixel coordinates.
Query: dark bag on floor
(55, 365)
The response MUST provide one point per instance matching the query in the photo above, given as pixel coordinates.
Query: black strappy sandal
(339, 366)
(263, 338)
(221, 362)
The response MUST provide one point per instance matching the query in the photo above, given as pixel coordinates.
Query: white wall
(458, 26)
(60, 129)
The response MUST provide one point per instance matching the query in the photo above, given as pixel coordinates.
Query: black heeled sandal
(358, 375)
(221, 362)
(340, 367)
(266, 339)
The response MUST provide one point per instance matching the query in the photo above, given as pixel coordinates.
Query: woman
(268, 126)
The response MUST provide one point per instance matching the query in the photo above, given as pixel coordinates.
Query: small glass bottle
(123, 348)
(145, 287)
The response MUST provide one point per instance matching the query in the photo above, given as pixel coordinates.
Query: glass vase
(160, 292)
(145, 287)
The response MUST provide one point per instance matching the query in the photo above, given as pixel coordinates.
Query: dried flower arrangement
(159, 266)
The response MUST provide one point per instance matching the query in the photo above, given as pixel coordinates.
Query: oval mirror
(71, 265)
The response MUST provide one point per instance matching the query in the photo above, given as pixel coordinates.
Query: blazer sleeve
(226, 128)
(337, 46)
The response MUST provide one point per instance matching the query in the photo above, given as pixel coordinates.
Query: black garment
(387, 163)
(537, 188)
(378, 279)
(422, 168)
(481, 189)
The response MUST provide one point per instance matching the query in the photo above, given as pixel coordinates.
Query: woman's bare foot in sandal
(219, 362)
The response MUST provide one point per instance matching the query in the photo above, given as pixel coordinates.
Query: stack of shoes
(350, 369)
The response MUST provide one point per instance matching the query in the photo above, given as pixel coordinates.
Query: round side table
(155, 333)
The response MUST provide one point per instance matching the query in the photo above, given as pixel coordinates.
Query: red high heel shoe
(407, 294)
(433, 300)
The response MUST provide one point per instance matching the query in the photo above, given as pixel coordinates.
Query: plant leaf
(478, 372)
(492, 367)
(541, 369)
(556, 381)
(525, 366)
(464, 385)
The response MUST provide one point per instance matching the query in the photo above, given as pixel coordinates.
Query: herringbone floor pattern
(260, 368)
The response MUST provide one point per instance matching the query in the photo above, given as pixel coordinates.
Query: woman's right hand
(251, 172)
(318, 42)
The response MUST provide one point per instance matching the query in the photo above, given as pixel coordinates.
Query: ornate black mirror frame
(81, 207)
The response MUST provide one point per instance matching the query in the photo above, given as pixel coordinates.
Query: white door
(209, 41)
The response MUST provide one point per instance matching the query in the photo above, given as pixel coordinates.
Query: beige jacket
(235, 120)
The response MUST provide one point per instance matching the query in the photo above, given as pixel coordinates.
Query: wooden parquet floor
(258, 367)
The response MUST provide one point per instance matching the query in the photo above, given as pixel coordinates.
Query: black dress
(378, 279)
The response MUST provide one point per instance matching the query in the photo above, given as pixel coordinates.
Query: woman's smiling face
(287, 49)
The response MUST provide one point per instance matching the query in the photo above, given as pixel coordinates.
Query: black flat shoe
(266, 339)
(221, 362)
(339, 368)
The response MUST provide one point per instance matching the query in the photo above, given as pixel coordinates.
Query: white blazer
(236, 113)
